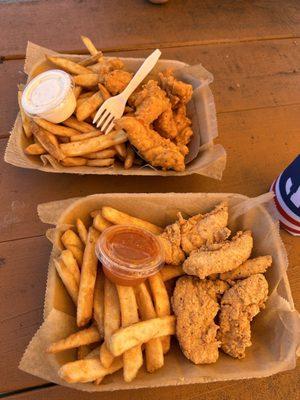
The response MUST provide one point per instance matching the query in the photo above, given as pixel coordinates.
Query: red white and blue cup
(287, 197)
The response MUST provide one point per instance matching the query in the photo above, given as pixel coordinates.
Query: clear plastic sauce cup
(50, 96)
(129, 255)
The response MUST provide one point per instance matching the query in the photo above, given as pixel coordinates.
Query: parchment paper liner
(276, 330)
(205, 158)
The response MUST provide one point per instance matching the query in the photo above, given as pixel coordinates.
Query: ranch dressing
(50, 96)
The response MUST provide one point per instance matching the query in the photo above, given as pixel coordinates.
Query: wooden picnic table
(253, 50)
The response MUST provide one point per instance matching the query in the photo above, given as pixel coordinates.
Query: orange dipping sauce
(129, 255)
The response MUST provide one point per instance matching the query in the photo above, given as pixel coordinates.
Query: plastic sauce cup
(50, 96)
(129, 255)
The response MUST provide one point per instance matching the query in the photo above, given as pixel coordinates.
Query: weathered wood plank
(130, 24)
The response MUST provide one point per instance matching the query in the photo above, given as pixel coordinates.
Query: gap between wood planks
(25, 390)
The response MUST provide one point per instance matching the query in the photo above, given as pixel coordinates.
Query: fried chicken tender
(105, 66)
(181, 120)
(165, 125)
(158, 151)
(219, 257)
(239, 306)
(182, 139)
(177, 91)
(170, 240)
(195, 309)
(150, 102)
(116, 81)
(201, 229)
(254, 266)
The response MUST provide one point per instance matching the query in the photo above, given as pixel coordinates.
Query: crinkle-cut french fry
(68, 279)
(82, 231)
(101, 223)
(35, 149)
(77, 90)
(140, 332)
(70, 238)
(171, 271)
(106, 162)
(102, 154)
(87, 370)
(133, 357)
(94, 144)
(105, 93)
(26, 122)
(85, 109)
(87, 135)
(74, 161)
(119, 217)
(161, 303)
(85, 336)
(79, 126)
(86, 80)
(83, 351)
(68, 65)
(89, 45)
(87, 280)
(98, 311)
(121, 150)
(56, 129)
(130, 156)
(153, 348)
(91, 59)
(49, 142)
(69, 260)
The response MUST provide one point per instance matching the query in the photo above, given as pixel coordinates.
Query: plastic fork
(113, 108)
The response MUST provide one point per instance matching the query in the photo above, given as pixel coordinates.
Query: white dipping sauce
(50, 96)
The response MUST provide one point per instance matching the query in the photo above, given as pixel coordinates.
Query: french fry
(93, 353)
(68, 65)
(55, 129)
(94, 144)
(121, 150)
(88, 280)
(84, 136)
(118, 217)
(68, 279)
(130, 156)
(49, 142)
(106, 357)
(86, 95)
(68, 259)
(70, 238)
(98, 308)
(133, 357)
(101, 223)
(83, 351)
(91, 104)
(82, 231)
(89, 45)
(74, 161)
(35, 149)
(79, 126)
(140, 332)
(106, 162)
(91, 59)
(104, 92)
(171, 271)
(153, 348)
(85, 336)
(77, 90)
(87, 370)
(24, 117)
(109, 153)
(161, 303)
(86, 80)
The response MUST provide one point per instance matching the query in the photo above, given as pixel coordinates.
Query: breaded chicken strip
(195, 309)
(170, 240)
(165, 125)
(150, 102)
(219, 257)
(254, 266)
(201, 229)
(177, 91)
(104, 66)
(158, 151)
(214, 288)
(180, 118)
(116, 81)
(182, 140)
(239, 306)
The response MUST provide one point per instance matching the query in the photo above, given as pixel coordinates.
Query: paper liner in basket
(276, 330)
(205, 157)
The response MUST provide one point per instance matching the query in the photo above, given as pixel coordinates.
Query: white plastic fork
(114, 107)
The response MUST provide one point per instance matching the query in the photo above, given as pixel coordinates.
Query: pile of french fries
(76, 142)
(116, 323)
